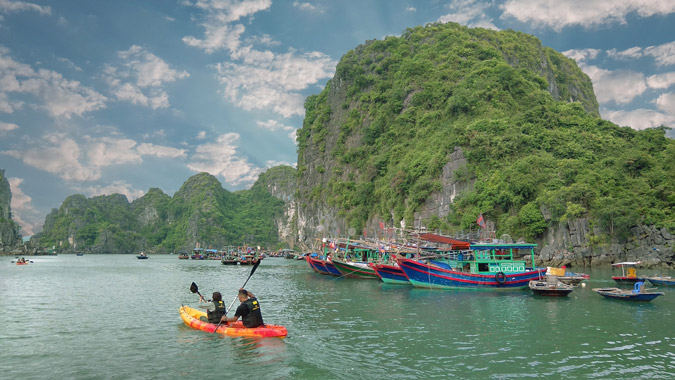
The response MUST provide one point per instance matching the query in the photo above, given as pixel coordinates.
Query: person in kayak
(248, 310)
(219, 311)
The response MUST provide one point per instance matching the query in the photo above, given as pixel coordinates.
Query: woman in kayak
(248, 310)
(215, 315)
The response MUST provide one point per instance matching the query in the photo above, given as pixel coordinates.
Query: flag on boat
(480, 221)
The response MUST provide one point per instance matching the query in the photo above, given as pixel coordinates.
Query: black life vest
(254, 317)
(214, 316)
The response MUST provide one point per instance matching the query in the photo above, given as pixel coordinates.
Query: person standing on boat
(219, 312)
(248, 310)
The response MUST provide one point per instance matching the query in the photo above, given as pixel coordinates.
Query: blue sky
(100, 97)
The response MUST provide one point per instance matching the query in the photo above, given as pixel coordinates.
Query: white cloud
(8, 6)
(663, 54)
(23, 211)
(470, 13)
(219, 159)
(620, 86)
(257, 79)
(6, 127)
(217, 37)
(666, 103)
(558, 14)
(59, 155)
(60, 97)
(632, 53)
(146, 149)
(201, 135)
(661, 81)
(639, 118)
(107, 151)
(141, 77)
(307, 7)
(581, 55)
(117, 187)
(274, 125)
(410, 9)
(266, 80)
(83, 161)
(218, 34)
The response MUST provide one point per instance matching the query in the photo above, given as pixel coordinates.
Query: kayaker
(219, 311)
(248, 310)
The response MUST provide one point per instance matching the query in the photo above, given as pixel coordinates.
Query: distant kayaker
(215, 315)
(248, 310)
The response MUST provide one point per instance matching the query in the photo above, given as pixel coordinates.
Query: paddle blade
(255, 266)
(194, 288)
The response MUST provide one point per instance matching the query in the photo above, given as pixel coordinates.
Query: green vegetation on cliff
(201, 211)
(375, 141)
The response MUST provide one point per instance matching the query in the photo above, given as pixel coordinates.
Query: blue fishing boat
(390, 273)
(483, 266)
(639, 293)
(662, 280)
(321, 266)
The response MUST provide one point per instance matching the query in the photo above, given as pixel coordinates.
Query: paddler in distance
(248, 310)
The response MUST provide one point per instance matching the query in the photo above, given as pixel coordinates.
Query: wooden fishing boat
(565, 277)
(550, 286)
(192, 318)
(247, 260)
(183, 256)
(639, 293)
(355, 269)
(484, 266)
(661, 280)
(322, 266)
(628, 273)
(390, 273)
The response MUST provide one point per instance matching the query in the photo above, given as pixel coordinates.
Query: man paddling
(248, 310)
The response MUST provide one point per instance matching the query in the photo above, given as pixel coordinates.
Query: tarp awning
(456, 244)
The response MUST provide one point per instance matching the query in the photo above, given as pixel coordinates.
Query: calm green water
(116, 317)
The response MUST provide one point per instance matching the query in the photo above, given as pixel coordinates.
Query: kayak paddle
(195, 289)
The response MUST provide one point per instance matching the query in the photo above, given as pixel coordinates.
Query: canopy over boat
(626, 263)
(454, 243)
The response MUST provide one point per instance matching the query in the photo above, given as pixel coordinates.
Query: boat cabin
(488, 258)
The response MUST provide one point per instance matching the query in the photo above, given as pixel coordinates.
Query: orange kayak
(191, 316)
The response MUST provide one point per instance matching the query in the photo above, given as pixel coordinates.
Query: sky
(100, 97)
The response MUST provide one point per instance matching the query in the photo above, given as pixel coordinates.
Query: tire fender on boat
(500, 277)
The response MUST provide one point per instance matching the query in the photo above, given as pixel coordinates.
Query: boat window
(483, 267)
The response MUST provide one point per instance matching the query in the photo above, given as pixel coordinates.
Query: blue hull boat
(637, 294)
(322, 266)
(391, 274)
(664, 281)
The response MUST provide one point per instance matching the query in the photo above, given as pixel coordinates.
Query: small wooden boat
(628, 275)
(191, 317)
(565, 277)
(390, 273)
(639, 293)
(353, 269)
(551, 286)
(79, 254)
(662, 280)
(142, 256)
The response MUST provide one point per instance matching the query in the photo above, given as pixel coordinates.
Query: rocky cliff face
(572, 244)
(10, 238)
(351, 119)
